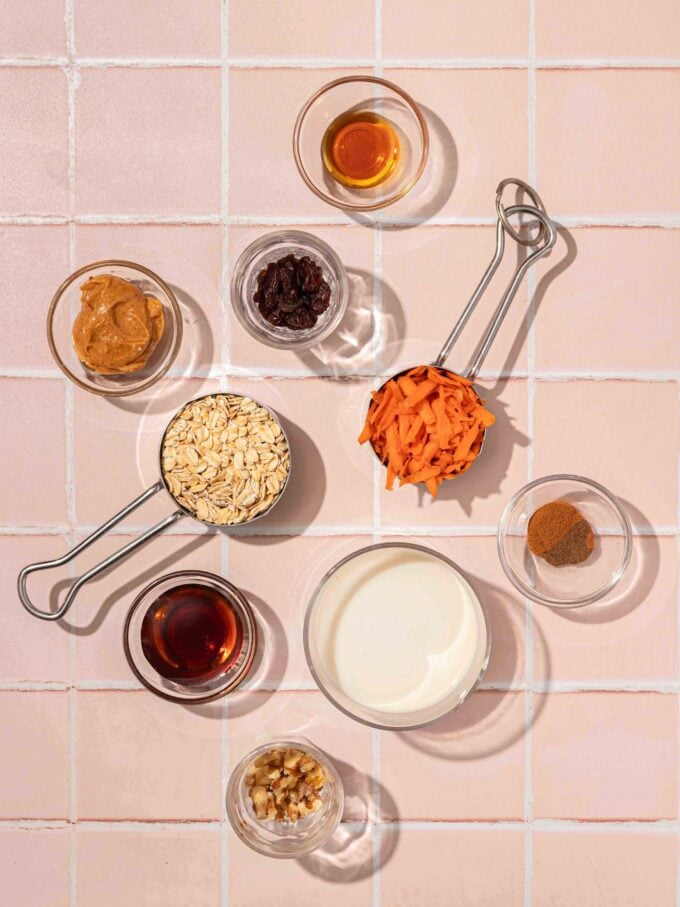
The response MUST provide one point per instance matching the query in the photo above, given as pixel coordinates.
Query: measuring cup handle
(98, 568)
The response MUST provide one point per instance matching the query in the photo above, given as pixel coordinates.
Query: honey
(360, 149)
(191, 633)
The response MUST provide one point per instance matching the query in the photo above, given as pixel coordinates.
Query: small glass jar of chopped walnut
(285, 798)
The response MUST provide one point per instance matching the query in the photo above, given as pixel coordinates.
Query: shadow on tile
(304, 494)
(489, 722)
(484, 478)
(433, 189)
(198, 344)
(268, 668)
(357, 344)
(635, 585)
(350, 854)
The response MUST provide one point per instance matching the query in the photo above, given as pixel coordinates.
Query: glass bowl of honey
(190, 636)
(360, 143)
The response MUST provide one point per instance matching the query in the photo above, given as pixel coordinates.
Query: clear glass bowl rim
(285, 238)
(349, 206)
(178, 329)
(583, 600)
(305, 637)
(246, 614)
(236, 777)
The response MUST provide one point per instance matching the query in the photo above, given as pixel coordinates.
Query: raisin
(292, 292)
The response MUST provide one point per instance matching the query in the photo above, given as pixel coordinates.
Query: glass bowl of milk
(395, 636)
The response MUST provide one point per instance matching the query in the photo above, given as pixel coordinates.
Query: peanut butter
(118, 327)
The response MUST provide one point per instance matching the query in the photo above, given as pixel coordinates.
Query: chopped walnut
(285, 785)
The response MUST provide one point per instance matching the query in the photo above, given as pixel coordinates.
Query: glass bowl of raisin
(289, 290)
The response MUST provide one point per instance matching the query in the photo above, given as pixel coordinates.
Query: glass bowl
(322, 616)
(272, 247)
(284, 840)
(571, 585)
(65, 306)
(355, 93)
(189, 692)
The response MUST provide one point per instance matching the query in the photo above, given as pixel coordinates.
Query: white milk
(398, 630)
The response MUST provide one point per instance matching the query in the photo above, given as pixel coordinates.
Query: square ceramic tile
(588, 749)
(158, 155)
(597, 315)
(102, 605)
(484, 868)
(579, 869)
(607, 29)
(330, 482)
(261, 567)
(630, 636)
(38, 407)
(362, 333)
(312, 881)
(23, 34)
(584, 427)
(608, 141)
(434, 271)
(301, 28)
(455, 29)
(121, 442)
(29, 289)
(35, 866)
(473, 760)
(263, 105)
(479, 496)
(173, 867)
(34, 142)
(34, 650)
(140, 757)
(467, 110)
(189, 259)
(504, 608)
(258, 718)
(143, 28)
(35, 768)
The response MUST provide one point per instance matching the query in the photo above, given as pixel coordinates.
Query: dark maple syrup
(360, 149)
(191, 633)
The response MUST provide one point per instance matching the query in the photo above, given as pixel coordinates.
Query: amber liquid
(360, 149)
(191, 634)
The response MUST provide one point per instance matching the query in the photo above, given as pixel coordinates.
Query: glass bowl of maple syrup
(360, 143)
(190, 636)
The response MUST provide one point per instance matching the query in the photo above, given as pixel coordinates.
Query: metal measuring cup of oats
(224, 460)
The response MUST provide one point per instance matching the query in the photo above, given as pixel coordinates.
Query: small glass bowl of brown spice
(289, 290)
(564, 541)
(285, 799)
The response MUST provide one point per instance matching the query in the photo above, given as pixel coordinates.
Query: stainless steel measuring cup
(543, 240)
(181, 511)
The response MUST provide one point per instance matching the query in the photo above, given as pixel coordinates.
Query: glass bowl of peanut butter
(114, 328)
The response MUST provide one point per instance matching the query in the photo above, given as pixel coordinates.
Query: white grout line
(72, 78)
(660, 220)
(313, 531)
(342, 63)
(677, 881)
(376, 838)
(557, 687)
(531, 391)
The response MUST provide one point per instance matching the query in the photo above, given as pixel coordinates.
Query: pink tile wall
(160, 132)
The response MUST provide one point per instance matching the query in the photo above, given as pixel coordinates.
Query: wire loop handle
(98, 568)
(503, 226)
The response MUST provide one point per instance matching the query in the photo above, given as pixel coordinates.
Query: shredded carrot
(426, 426)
